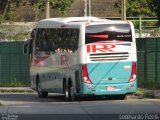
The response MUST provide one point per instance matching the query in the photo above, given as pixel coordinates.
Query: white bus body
(83, 56)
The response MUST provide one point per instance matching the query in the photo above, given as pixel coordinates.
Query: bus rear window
(108, 32)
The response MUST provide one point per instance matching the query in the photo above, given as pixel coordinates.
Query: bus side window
(74, 36)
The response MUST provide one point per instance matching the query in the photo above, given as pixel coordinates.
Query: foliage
(37, 3)
(6, 11)
(7, 7)
(10, 16)
(143, 8)
(61, 5)
(144, 93)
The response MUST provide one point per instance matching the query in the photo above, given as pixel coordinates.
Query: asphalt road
(27, 106)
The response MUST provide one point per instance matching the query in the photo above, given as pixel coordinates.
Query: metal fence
(19, 31)
(148, 63)
(14, 64)
(15, 32)
(148, 33)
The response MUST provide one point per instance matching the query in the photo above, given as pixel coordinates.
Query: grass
(20, 84)
(143, 93)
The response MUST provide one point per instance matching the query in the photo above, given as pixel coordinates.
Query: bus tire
(41, 94)
(68, 91)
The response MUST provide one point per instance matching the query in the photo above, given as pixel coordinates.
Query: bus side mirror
(26, 47)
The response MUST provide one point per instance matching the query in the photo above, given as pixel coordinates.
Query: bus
(83, 56)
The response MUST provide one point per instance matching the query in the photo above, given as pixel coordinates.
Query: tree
(5, 9)
(155, 6)
(60, 5)
(37, 5)
(8, 7)
(143, 8)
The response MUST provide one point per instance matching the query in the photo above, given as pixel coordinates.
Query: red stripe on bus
(98, 36)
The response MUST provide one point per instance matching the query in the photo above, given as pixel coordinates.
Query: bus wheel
(41, 94)
(68, 92)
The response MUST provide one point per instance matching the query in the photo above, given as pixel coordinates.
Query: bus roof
(61, 22)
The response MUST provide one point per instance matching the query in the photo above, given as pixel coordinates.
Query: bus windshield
(108, 32)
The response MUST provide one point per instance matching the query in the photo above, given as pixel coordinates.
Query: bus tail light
(133, 74)
(85, 76)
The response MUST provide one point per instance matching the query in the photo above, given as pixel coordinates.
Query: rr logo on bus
(100, 48)
(64, 60)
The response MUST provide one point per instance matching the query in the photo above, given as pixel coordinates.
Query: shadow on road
(33, 97)
(29, 97)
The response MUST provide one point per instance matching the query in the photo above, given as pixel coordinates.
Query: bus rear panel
(110, 60)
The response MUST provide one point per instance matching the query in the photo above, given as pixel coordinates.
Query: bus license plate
(110, 88)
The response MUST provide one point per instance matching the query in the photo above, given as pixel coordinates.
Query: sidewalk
(15, 89)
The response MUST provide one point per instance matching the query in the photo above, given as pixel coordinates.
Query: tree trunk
(36, 14)
(6, 7)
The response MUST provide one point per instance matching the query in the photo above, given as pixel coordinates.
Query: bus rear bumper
(109, 89)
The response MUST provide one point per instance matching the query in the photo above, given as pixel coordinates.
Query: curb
(132, 97)
(154, 94)
(15, 89)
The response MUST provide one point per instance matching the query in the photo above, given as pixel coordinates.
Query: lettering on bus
(60, 50)
(100, 48)
(64, 60)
